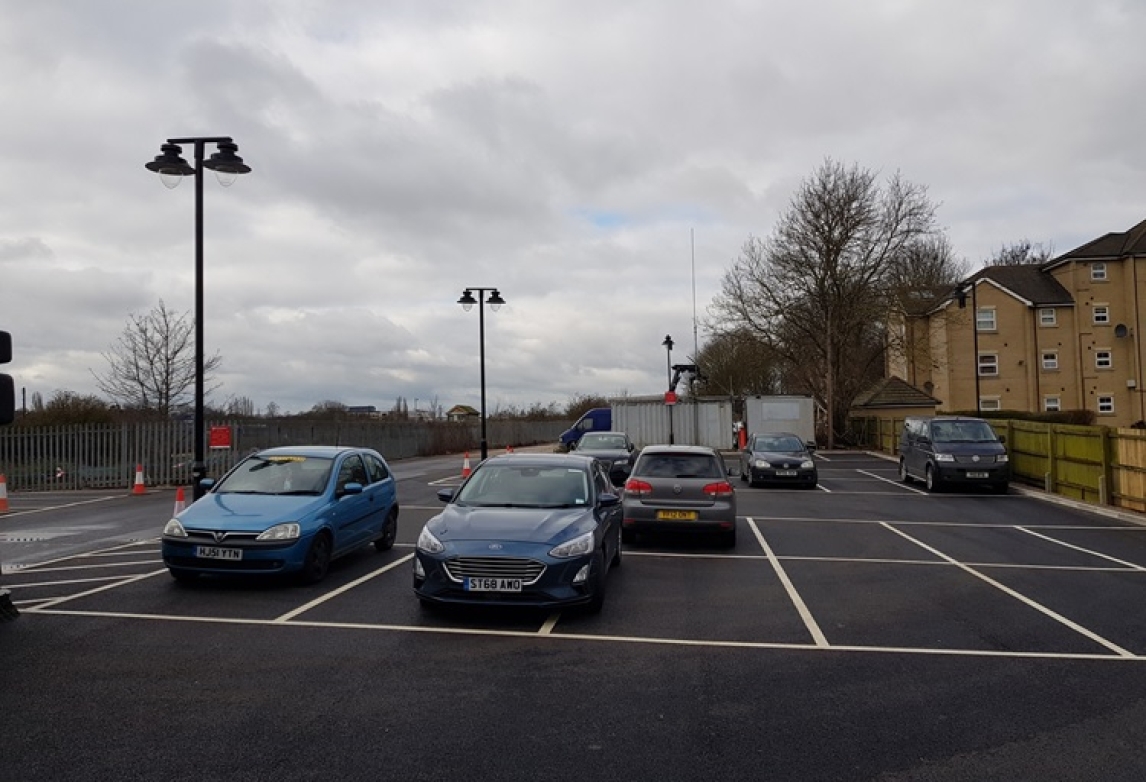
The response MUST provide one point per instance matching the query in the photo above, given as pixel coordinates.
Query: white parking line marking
(1018, 596)
(122, 582)
(345, 588)
(38, 569)
(14, 513)
(550, 623)
(793, 595)
(888, 480)
(716, 644)
(1130, 565)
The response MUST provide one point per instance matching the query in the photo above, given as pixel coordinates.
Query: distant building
(462, 413)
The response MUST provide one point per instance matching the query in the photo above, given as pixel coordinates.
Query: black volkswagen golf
(779, 458)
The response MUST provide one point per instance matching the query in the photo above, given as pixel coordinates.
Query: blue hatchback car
(523, 530)
(286, 510)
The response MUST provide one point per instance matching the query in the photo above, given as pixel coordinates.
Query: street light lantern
(668, 343)
(171, 167)
(226, 164)
(494, 301)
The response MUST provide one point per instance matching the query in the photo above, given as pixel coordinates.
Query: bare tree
(818, 291)
(152, 365)
(735, 363)
(1022, 253)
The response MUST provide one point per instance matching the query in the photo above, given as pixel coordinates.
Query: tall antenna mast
(695, 337)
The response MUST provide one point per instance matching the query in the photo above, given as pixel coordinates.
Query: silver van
(953, 450)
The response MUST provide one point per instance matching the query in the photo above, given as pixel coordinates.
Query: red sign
(219, 437)
(670, 397)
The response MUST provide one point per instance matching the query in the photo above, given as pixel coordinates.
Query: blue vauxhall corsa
(536, 530)
(286, 510)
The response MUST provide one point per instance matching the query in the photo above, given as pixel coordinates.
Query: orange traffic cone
(466, 466)
(3, 494)
(180, 502)
(139, 488)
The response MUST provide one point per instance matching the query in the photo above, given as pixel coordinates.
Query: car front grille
(528, 570)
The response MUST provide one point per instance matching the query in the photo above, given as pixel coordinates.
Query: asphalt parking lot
(905, 635)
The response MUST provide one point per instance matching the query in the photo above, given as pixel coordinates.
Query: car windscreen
(678, 465)
(778, 444)
(525, 486)
(601, 442)
(279, 474)
(962, 432)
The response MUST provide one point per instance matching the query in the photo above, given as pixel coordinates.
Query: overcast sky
(601, 162)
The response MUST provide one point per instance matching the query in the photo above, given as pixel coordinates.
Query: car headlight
(173, 529)
(578, 547)
(428, 543)
(1001, 458)
(944, 457)
(288, 531)
(807, 464)
(762, 463)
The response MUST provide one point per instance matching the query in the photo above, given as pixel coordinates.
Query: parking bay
(864, 565)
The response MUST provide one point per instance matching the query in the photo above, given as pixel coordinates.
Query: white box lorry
(795, 414)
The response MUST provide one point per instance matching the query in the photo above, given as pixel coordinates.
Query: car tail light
(721, 489)
(637, 487)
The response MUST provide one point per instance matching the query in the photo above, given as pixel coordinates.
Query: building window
(989, 364)
(1048, 316)
(1098, 271)
(990, 403)
(1101, 313)
(1105, 405)
(1050, 360)
(985, 319)
(1103, 359)
(1052, 404)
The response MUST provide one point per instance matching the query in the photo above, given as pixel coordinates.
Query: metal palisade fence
(108, 456)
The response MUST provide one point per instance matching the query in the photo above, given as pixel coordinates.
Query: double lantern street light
(171, 167)
(494, 300)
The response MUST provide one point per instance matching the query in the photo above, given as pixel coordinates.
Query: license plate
(786, 473)
(493, 584)
(976, 475)
(214, 552)
(677, 515)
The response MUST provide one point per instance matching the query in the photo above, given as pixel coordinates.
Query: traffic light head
(7, 387)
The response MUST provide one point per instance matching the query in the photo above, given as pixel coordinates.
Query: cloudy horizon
(600, 163)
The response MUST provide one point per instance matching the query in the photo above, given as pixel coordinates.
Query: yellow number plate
(676, 515)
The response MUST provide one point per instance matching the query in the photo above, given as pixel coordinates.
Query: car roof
(777, 434)
(327, 451)
(542, 459)
(690, 449)
(605, 431)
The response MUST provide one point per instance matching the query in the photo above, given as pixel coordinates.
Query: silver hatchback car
(679, 488)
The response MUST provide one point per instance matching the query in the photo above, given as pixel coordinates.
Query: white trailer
(695, 421)
(795, 414)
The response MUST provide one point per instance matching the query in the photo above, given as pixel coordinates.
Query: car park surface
(868, 630)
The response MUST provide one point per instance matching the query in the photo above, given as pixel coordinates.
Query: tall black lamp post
(494, 301)
(668, 351)
(171, 167)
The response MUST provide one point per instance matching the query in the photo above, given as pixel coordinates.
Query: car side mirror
(608, 500)
(445, 495)
(810, 446)
(1002, 439)
(354, 487)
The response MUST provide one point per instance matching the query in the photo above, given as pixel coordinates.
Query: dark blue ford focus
(524, 530)
(286, 510)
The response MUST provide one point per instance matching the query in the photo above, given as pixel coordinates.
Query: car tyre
(616, 560)
(317, 561)
(597, 577)
(389, 532)
(930, 480)
(743, 475)
(903, 476)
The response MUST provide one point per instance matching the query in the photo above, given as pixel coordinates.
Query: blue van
(599, 419)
